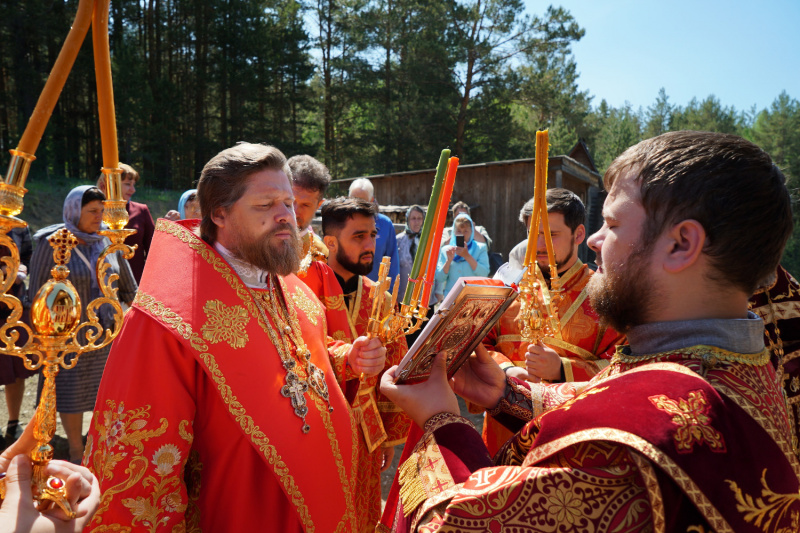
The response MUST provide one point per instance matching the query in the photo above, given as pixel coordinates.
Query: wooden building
(495, 192)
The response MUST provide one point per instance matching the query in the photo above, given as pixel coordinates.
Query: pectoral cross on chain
(295, 390)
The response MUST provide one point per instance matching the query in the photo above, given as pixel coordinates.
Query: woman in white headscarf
(76, 388)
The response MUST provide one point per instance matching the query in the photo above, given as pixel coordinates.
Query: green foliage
(368, 86)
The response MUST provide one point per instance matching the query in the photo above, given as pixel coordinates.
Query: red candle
(433, 255)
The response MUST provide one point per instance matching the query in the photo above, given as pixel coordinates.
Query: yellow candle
(542, 161)
(105, 89)
(540, 185)
(58, 76)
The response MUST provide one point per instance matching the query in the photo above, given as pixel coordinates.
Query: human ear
(218, 216)
(331, 242)
(580, 234)
(686, 240)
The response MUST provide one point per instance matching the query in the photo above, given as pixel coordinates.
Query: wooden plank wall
(496, 191)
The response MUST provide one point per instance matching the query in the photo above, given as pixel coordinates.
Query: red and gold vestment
(199, 421)
(779, 308)
(322, 281)
(382, 423)
(585, 347)
(702, 444)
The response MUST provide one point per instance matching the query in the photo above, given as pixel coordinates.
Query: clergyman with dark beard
(687, 429)
(219, 406)
(349, 232)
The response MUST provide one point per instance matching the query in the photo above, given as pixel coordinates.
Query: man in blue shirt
(386, 246)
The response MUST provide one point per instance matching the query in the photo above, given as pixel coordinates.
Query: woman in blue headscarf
(457, 262)
(76, 389)
(188, 207)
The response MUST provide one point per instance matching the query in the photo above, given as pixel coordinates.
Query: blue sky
(744, 53)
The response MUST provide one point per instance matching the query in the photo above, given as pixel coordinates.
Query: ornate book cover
(467, 314)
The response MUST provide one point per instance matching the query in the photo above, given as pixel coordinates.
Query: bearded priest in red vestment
(350, 234)
(686, 429)
(219, 409)
(583, 346)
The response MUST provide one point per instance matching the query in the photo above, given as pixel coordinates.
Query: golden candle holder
(56, 309)
(538, 316)
(55, 317)
(389, 324)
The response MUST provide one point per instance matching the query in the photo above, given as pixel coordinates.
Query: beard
(356, 267)
(623, 295)
(280, 258)
(559, 262)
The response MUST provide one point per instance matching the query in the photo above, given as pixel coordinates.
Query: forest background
(367, 86)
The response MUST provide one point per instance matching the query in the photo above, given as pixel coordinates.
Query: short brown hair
(310, 174)
(459, 205)
(224, 179)
(726, 183)
(568, 204)
(336, 213)
(128, 173)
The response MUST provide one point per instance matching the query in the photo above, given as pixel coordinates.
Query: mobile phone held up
(460, 241)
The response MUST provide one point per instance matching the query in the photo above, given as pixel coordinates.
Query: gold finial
(62, 242)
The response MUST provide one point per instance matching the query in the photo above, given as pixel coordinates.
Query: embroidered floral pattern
(770, 512)
(225, 324)
(121, 435)
(310, 308)
(691, 417)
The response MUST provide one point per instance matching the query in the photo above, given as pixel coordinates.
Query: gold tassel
(412, 491)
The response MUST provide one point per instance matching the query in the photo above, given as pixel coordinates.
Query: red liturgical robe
(383, 424)
(198, 422)
(702, 444)
(584, 345)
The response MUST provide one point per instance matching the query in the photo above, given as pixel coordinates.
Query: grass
(44, 201)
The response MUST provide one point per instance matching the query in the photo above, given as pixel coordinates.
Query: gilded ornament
(225, 324)
(307, 305)
(691, 417)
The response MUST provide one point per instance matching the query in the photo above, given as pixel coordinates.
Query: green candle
(425, 240)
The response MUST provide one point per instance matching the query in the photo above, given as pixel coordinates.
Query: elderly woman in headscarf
(188, 207)
(76, 389)
(407, 243)
(471, 259)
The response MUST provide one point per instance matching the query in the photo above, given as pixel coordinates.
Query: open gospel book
(472, 307)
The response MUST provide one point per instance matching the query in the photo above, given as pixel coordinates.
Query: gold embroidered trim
(251, 429)
(703, 504)
(509, 338)
(698, 352)
(650, 479)
(334, 303)
(586, 355)
(199, 246)
(575, 305)
(567, 365)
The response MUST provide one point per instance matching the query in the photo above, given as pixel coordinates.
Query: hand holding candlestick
(538, 317)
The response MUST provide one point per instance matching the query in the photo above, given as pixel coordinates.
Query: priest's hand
(543, 362)
(367, 356)
(19, 514)
(421, 401)
(388, 455)
(481, 380)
